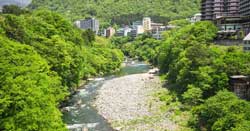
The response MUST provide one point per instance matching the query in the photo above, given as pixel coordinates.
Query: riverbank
(128, 103)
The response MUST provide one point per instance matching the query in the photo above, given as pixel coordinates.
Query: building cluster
(137, 28)
(144, 26)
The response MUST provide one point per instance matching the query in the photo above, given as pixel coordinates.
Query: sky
(22, 3)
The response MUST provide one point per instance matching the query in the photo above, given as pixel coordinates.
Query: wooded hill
(122, 11)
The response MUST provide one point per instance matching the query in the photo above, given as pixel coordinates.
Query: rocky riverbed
(127, 103)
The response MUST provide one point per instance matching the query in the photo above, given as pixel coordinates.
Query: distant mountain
(21, 3)
(122, 11)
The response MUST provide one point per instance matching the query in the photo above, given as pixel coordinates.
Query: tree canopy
(43, 59)
(29, 91)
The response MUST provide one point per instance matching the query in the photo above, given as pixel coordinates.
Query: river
(80, 115)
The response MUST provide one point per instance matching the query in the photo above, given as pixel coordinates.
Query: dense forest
(44, 58)
(197, 75)
(121, 11)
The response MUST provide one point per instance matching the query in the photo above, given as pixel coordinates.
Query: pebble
(124, 98)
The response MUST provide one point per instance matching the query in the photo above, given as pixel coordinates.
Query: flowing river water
(80, 115)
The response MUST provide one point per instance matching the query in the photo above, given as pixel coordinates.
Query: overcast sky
(15, 2)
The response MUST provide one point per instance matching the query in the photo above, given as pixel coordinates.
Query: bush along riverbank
(44, 58)
(197, 76)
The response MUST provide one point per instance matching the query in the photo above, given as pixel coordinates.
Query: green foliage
(170, 101)
(197, 70)
(14, 28)
(224, 112)
(179, 23)
(49, 35)
(122, 11)
(43, 58)
(104, 60)
(185, 57)
(88, 36)
(177, 41)
(29, 91)
(143, 47)
(58, 41)
(193, 95)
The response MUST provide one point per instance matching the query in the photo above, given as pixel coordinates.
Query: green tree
(29, 91)
(180, 23)
(89, 36)
(223, 112)
(193, 96)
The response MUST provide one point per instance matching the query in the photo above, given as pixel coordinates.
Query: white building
(137, 31)
(157, 32)
(246, 45)
(196, 18)
(123, 31)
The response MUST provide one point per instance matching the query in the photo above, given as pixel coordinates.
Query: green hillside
(121, 11)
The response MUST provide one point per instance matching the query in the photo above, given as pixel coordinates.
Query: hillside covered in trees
(122, 11)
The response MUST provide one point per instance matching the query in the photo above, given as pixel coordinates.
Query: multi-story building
(207, 9)
(147, 24)
(224, 13)
(90, 23)
(157, 32)
(157, 29)
(245, 15)
(213, 9)
(245, 7)
(231, 16)
(155, 26)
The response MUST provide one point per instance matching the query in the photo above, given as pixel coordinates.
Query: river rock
(124, 98)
